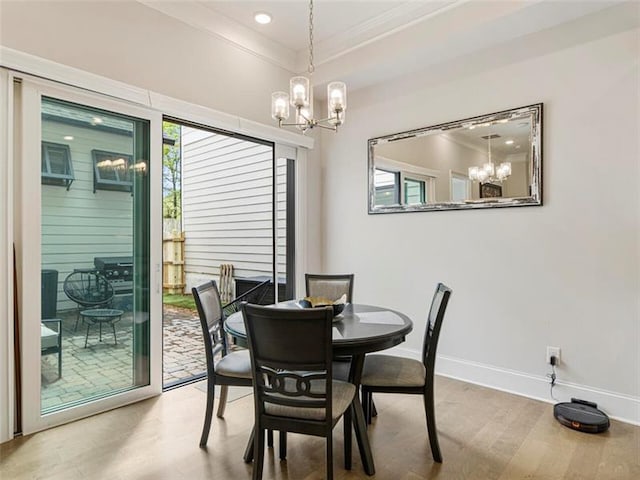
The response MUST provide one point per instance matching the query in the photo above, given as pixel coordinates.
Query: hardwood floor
(484, 434)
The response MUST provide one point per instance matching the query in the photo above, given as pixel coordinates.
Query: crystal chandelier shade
(489, 172)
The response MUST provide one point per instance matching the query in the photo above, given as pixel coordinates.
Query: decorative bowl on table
(317, 302)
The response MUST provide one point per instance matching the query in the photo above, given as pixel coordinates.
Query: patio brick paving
(104, 367)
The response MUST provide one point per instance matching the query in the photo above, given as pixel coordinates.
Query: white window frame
(7, 364)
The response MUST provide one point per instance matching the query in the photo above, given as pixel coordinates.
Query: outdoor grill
(118, 270)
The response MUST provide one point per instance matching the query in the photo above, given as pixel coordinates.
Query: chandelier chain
(489, 138)
(311, 67)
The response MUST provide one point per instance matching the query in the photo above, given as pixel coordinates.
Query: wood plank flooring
(484, 434)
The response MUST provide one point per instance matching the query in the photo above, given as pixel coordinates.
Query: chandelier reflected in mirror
(300, 97)
(489, 172)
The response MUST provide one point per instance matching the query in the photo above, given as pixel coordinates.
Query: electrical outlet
(553, 352)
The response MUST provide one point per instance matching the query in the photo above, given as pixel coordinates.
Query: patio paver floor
(104, 367)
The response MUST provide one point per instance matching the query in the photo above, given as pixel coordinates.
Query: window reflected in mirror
(487, 161)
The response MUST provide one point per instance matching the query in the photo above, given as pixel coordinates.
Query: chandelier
(488, 172)
(300, 97)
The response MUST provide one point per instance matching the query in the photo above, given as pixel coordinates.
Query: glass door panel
(95, 257)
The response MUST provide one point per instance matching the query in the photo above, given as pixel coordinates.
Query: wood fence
(173, 264)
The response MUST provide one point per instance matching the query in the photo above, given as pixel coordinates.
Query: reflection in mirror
(488, 161)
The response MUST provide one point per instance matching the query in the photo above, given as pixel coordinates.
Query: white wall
(565, 274)
(137, 45)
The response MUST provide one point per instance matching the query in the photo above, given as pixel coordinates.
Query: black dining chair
(291, 353)
(391, 374)
(329, 286)
(232, 368)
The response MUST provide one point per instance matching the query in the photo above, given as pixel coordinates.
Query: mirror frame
(534, 199)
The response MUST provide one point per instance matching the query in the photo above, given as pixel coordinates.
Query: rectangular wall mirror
(488, 161)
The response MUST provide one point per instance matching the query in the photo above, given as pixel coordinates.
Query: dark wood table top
(358, 329)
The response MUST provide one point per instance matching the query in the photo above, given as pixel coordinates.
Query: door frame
(27, 230)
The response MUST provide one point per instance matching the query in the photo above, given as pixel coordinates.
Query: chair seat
(48, 337)
(342, 396)
(236, 364)
(392, 371)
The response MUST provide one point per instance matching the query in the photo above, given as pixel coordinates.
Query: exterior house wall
(78, 225)
(227, 206)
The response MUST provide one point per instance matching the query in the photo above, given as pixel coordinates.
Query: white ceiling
(351, 37)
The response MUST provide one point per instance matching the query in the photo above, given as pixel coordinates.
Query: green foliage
(171, 172)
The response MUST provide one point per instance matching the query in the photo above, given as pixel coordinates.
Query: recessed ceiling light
(262, 18)
(509, 142)
(68, 137)
(96, 120)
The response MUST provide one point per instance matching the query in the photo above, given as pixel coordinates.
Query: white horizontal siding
(228, 205)
(78, 225)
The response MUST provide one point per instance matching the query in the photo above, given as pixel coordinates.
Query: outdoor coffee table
(100, 316)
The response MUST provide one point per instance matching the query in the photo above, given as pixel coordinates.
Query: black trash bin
(49, 286)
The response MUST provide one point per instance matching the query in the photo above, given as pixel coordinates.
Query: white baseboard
(618, 406)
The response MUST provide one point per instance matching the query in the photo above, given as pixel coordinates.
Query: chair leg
(366, 405)
(86, 338)
(283, 445)
(258, 448)
(248, 452)
(372, 407)
(270, 438)
(346, 419)
(430, 413)
(330, 457)
(211, 385)
(59, 362)
(115, 339)
(222, 401)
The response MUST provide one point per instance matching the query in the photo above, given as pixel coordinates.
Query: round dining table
(358, 330)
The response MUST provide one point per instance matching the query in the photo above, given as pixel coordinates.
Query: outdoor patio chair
(392, 374)
(51, 339)
(255, 296)
(88, 289)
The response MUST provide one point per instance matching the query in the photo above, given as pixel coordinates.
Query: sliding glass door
(91, 329)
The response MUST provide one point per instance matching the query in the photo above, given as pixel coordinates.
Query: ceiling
(351, 37)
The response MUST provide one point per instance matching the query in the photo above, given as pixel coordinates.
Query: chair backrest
(291, 353)
(329, 286)
(255, 295)
(209, 308)
(88, 288)
(434, 323)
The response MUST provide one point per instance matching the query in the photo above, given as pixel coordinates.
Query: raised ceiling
(367, 42)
